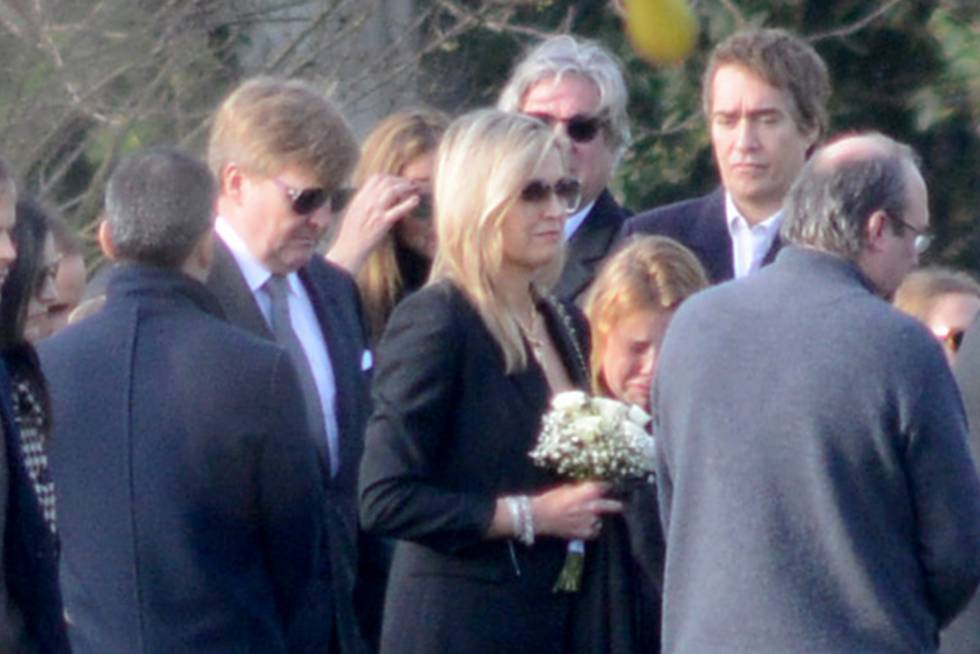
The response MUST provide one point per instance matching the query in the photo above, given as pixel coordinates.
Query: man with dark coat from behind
(190, 493)
(815, 483)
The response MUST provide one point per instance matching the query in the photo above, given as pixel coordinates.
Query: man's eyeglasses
(305, 201)
(923, 238)
(568, 190)
(580, 128)
(950, 337)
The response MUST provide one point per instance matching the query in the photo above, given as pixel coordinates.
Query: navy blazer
(188, 491)
(589, 246)
(337, 307)
(701, 226)
(31, 551)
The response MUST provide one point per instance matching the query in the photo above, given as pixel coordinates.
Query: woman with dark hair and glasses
(946, 300)
(28, 290)
(466, 369)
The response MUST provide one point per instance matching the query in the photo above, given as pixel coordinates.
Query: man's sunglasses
(305, 201)
(581, 129)
(568, 190)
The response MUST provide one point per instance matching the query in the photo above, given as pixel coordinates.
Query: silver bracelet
(526, 532)
(513, 505)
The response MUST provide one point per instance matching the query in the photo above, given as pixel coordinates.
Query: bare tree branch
(856, 26)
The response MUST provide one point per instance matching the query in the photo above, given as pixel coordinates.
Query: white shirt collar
(750, 243)
(734, 216)
(573, 222)
(254, 271)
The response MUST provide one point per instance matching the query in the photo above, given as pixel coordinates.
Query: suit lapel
(343, 362)
(711, 239)
(777, 245)
(229, 286)
(237, 301)
(567, 340)
(589, 245)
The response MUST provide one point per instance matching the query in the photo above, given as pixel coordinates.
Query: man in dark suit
(764, 95)
(280, 150)
(189, 493)
(815, 484)
(577, 86)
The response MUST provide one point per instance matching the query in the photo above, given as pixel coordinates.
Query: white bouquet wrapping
(592, 438)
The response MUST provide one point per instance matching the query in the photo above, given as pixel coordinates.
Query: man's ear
(875, 229)
(231, 181)
(105, 241)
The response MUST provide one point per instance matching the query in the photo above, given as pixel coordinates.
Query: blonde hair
(921, 288)
(396, 142)
(267, 124)
(483, 162)
(652, 273)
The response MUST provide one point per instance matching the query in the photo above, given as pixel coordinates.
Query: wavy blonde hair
(652, 273)
(483, 163)
(396, 142)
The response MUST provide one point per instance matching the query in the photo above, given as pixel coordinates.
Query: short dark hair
(829, 204)
(783, 61)
(159, 202)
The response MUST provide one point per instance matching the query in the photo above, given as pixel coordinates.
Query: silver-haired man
(578, 87)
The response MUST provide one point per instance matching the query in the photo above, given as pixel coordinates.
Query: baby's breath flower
(585, 437)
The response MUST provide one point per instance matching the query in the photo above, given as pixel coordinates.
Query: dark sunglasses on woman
(568, 190)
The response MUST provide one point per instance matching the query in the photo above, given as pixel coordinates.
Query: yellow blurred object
(662, 31)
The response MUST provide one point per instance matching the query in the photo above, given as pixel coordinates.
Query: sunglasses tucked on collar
(568, 190)
(305, 201)
(580, 128)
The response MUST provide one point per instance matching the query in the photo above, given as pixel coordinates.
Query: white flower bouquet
(587, 438)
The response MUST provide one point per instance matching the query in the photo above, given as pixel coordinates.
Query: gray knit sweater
(815, 484)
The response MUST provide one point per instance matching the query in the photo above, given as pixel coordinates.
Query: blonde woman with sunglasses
(465, 370)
